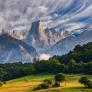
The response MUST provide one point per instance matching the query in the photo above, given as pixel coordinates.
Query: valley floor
(26, 84)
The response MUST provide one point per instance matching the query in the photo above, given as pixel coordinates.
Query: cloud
(43, 9)
(74, 26)
(44, 56)
(85, 12)
(24, 12)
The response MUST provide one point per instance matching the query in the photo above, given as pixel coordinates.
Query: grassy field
(26, 84)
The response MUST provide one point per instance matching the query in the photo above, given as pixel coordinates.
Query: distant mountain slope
(67, 44)
(12, 49)
(79, 54)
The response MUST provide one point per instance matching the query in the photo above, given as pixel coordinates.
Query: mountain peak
(13, 49)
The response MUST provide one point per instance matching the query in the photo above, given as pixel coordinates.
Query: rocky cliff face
(43, 38)
(56, 42)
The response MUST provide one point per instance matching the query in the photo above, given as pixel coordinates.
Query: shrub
(25, 80)
(4, 82)
(84, 81)
(42, 86)
(48, 81)
(37, 88)
(45, 85)
(89, 84)
(60, 77)
(1, 84)
(57, 84)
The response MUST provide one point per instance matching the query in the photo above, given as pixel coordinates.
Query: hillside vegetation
(20, 85)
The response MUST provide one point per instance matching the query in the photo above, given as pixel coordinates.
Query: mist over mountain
(39, 28)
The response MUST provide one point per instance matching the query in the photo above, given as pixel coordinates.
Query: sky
(71, 14)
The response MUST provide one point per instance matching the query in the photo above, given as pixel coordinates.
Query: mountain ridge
(70, 42)
(12, 49)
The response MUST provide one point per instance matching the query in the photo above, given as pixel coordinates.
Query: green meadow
(27, 83)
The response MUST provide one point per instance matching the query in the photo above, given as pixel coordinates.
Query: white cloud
(85, 12)
(23, 12)
(44, 56)
(74, 26)
(43, 9)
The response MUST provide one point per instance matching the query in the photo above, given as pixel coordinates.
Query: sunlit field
(26, 84)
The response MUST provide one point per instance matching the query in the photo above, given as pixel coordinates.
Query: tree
(84, 81)
(59, 77)
(87, 67)
(54, 66)
(71, 66)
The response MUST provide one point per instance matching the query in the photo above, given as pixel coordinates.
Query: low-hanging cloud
(44, 56)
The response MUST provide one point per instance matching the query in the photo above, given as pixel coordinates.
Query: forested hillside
(79, 54)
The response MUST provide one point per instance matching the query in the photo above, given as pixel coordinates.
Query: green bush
(25, 79)
(45, 85)
(42, 86)
(48, 81)
(4, 82)
(84, 81)
(89, 84)
(1, 84)
(37, 88)
(57, 84)
(60, 77)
